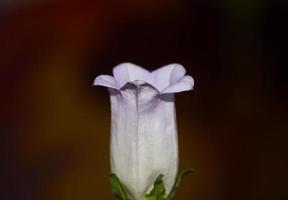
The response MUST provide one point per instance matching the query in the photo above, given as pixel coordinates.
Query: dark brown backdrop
(54, 139)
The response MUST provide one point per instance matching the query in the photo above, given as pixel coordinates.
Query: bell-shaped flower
(144, 132)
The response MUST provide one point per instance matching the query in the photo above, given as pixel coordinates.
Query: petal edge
(186, 83)
(106, 81)
(128, 72)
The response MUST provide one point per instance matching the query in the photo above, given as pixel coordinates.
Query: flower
(143, 131)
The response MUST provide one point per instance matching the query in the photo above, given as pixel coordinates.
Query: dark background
(54, 139)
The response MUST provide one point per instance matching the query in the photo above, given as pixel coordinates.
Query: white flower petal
(166, 75)
(106, 81)
(184, 84)
(128, 72)
(143, 139)
(143, 131)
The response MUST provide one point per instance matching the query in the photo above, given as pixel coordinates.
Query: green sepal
(158, 191)
(118, 189)
(178, 180)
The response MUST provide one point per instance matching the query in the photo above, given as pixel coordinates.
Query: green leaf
(118, 189)
(158, 191)
(178, 180)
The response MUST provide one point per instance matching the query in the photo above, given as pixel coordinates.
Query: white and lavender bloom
(144, 132)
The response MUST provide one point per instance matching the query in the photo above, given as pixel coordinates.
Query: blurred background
(54, 126)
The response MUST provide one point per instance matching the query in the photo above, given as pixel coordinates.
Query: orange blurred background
(54, 139)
